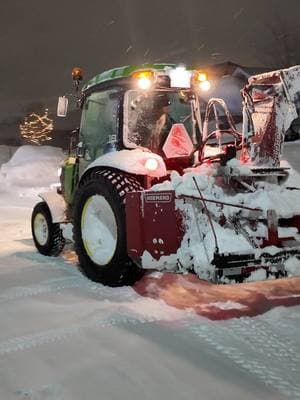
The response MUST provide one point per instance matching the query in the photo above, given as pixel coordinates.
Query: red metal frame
(153, 224)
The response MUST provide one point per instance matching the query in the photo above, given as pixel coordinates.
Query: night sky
(42, 40)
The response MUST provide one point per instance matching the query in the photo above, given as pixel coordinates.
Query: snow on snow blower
(154, 181)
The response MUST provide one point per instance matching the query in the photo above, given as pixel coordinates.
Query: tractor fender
(131, 161)
(56, 204)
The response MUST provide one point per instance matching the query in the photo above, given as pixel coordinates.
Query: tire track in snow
(54, 285)
(22, 343)
(51, 285)
(268, 343)
(260, 357)
(42, 263)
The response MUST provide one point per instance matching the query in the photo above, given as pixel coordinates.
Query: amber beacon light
(77, 74)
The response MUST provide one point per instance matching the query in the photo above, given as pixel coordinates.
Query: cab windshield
(149, 117)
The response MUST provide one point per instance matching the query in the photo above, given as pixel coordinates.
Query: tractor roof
(122, 72)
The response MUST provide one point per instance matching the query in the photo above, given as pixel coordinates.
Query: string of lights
(37, 128)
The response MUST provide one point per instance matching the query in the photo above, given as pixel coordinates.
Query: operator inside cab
(154, 122)
(149, 118)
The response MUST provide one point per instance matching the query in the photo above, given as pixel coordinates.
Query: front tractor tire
(47, 236)
(99, 228)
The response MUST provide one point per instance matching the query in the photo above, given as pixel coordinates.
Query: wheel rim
(41, 229)
(99, 230)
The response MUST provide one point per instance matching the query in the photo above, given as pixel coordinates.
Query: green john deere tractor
(123, 145)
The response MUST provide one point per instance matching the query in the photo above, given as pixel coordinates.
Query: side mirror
(62, 106)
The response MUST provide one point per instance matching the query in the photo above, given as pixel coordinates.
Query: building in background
(227, 81)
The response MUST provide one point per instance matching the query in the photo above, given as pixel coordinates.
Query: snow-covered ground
(63, 337)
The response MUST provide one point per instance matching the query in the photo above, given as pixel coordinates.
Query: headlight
(144, 83)
(205, 85)
(151, 164)
(144, 79)
(200, 80)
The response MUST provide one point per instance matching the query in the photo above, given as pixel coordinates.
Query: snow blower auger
(151, 182)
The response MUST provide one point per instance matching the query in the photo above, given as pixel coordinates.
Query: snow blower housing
(153, 180)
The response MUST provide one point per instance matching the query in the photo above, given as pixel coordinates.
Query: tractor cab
(154, 108)
(137, 107)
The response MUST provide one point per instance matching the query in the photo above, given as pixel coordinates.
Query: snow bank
(31, 167)
(6, 152)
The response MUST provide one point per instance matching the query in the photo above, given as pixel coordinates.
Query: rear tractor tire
(99, 228)
(47, 236)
